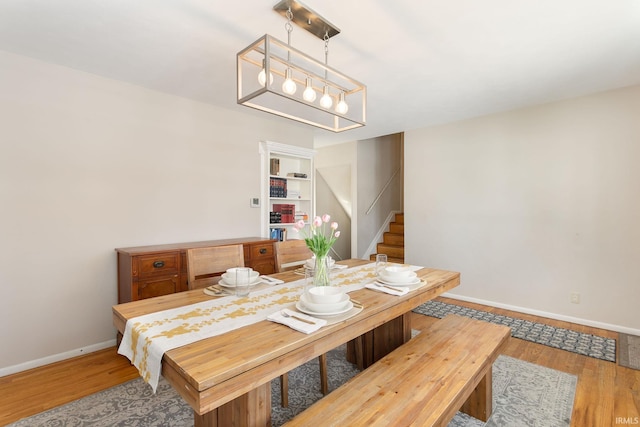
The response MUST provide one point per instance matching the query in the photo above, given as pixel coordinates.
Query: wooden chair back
(291, 254)
(205, 265)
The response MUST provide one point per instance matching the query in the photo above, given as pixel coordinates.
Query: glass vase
(321, 271)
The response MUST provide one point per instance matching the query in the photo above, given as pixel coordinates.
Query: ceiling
(424, 62)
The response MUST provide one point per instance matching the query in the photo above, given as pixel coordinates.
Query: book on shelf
(297, 175)
(274, 166)
(286, 211)
(277, 187)
(275, 217)
(299, 215)
(279, 234)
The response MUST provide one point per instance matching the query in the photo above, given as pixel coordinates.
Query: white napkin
(377, 287)
(271, 280)
(297, 324)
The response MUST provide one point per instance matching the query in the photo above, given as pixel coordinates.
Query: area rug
(586, 344)
(629, 351)
(523, 393)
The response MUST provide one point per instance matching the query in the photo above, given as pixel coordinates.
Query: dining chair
(291, 254)
(205, 265)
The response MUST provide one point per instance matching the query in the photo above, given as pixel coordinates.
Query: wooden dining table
(226, 378)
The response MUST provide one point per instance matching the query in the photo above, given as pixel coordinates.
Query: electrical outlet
(575, 298)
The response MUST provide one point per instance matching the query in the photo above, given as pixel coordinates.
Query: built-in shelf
(278, 161)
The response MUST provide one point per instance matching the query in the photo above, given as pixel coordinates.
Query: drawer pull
(263, 251)
(158, 264)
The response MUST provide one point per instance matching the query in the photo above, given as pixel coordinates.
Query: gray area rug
(565, 339)
(629, 351)
(524, 394)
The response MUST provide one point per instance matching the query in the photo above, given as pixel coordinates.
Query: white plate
(410, 278)
(413, 281)
(230, 279)
(324, 308)
(300, 306)
(232, 286)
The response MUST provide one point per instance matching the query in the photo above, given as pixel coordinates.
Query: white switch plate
(575, 298)
(254, 202)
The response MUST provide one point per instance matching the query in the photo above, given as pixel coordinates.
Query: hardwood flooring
(607, 394)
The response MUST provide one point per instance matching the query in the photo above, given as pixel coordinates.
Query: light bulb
(289, 86)
(309, 94)
(342, 106)
(326, 101)
(262, 77)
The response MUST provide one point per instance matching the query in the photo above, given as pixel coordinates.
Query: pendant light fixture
(342, 105)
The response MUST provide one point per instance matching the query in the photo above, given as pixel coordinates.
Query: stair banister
(384, 188)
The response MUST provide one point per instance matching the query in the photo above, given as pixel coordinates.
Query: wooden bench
(424, 382)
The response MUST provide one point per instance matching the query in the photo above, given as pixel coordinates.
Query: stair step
(400, 218)
(391, 250)
(393, 239)
(394, 227)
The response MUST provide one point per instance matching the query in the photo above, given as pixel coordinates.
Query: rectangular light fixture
(274, 77)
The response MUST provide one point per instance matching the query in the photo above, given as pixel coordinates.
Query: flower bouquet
(319, 240)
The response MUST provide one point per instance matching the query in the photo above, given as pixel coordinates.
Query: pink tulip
(317, 221)
(337, 234)
(299, 225)
(334, 225)
(326, 218)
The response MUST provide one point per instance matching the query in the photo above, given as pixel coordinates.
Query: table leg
(248, 410)
(370, 347)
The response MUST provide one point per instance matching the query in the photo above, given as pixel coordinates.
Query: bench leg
(479, 403)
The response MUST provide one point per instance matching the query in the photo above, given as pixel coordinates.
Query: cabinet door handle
(158, 264)
(263, 251)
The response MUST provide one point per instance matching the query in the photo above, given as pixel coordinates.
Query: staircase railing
(384, 188)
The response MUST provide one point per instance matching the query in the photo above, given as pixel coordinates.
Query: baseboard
(56, 358)
(577, 320)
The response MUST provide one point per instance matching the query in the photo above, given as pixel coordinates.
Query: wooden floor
(607, 394)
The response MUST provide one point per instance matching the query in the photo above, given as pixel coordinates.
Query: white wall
(88, 164)
(337, 165)
(534, 204)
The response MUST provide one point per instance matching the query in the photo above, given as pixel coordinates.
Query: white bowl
(398, 272)
(230, 276)
(325, 294)
(398, 279)
(325, 308)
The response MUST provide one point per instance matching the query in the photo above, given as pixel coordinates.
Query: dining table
(226, 378)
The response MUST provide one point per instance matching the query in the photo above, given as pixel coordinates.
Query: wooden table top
(216, 370)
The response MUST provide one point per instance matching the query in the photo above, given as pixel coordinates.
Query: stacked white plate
(398, 276)
(229, 278)
(332, 305)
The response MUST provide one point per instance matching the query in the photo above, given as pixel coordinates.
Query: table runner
(146, 338)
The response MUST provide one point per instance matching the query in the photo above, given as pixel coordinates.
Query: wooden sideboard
(151, 271)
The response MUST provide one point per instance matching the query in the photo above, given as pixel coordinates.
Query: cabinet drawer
(262, 251)
(265, 266)
(166, 263)
(157, 287)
